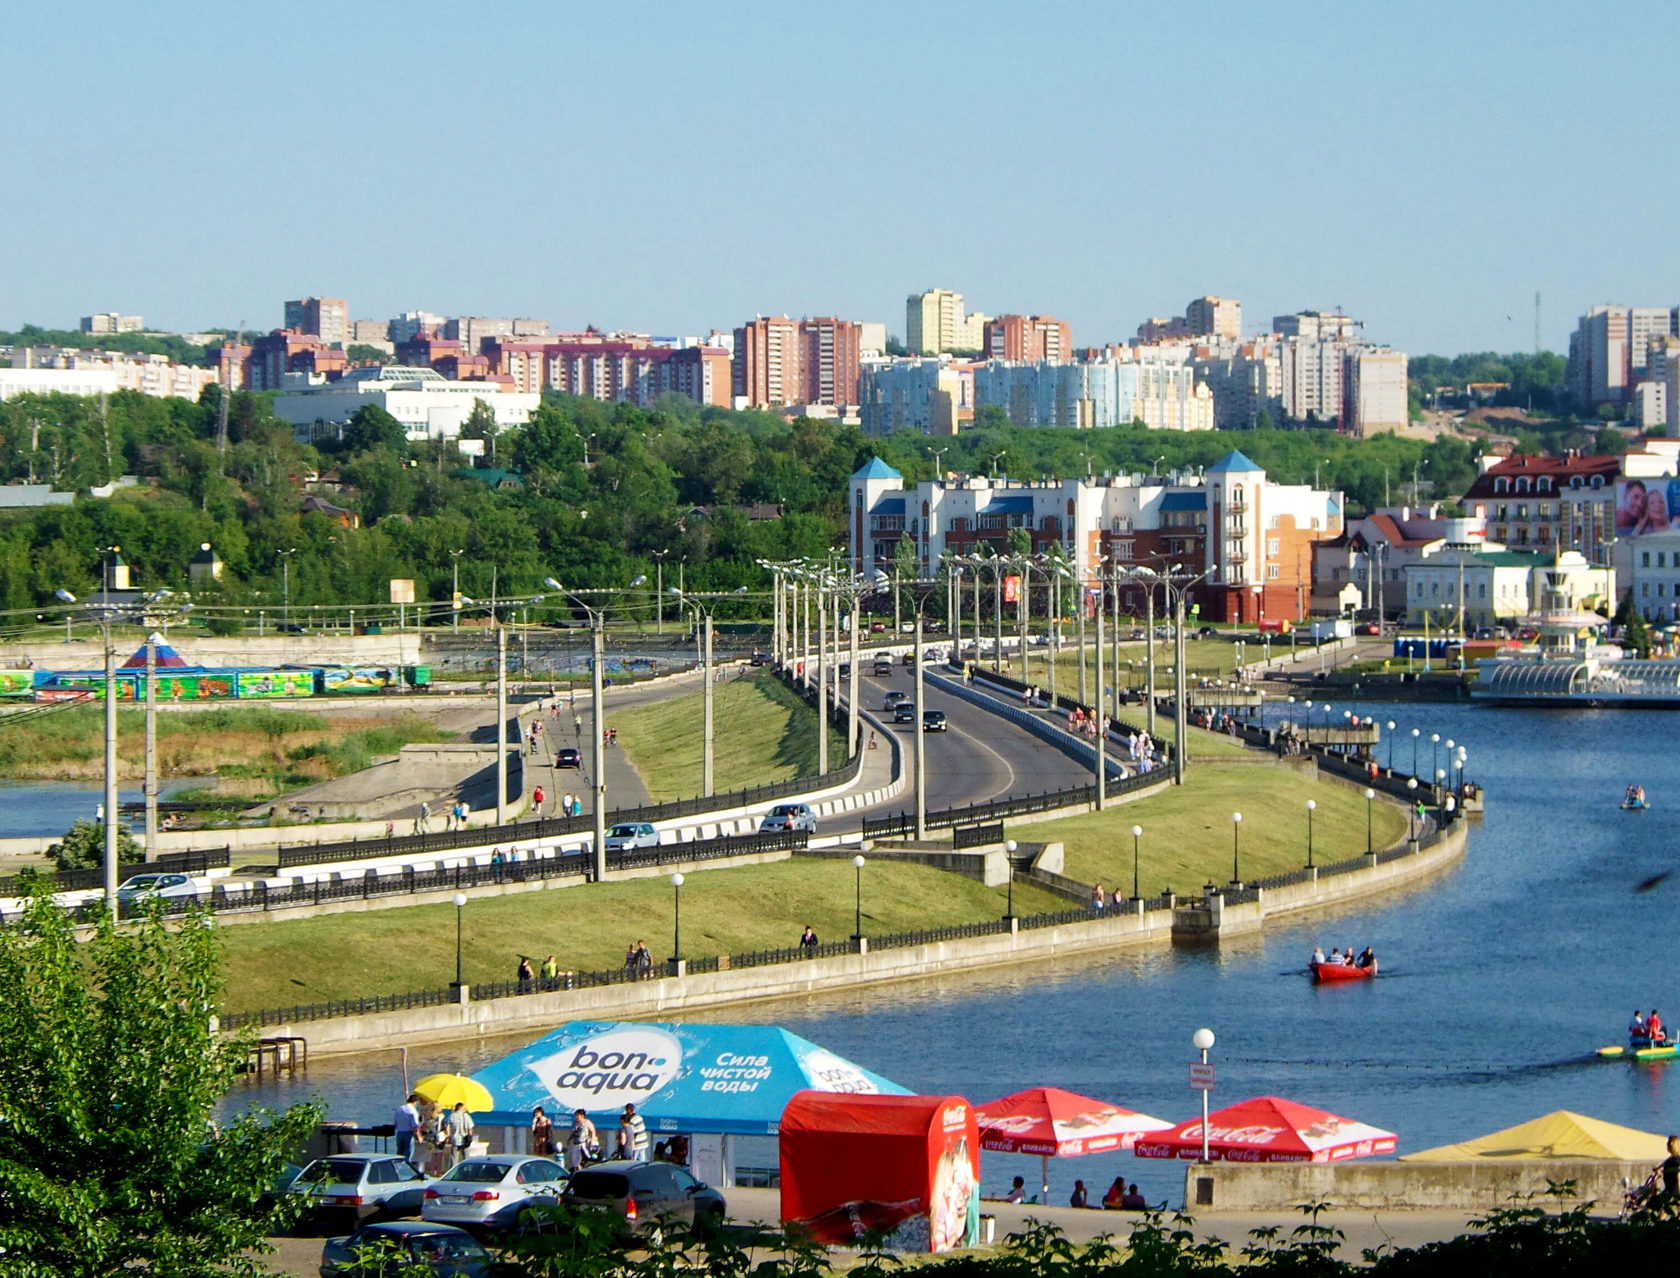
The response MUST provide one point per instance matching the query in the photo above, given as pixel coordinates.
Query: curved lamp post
(1415, 734)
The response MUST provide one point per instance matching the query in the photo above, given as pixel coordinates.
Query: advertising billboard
(16, 683)
(1646, 506)
(1011, 589)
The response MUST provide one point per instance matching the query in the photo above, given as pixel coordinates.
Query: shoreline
(1197, 921)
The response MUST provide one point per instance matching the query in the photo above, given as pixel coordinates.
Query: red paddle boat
(1330, 973)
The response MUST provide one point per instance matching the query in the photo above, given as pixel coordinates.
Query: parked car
(877, 627)
(1136, 632)
(1367, 628)
(646, 1192)
(352, 1188)
(933, 721)
(1206, 632)
(904, 712)
(443, 1249)
(145, 886)
(488, 1193)
(760, 658)
(568, 757)
(290, 628)
(789, 817)
(894, 697)
(632, 834)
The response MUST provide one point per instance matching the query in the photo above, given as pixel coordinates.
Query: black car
(933, 721)
(568, 757)
(443, 1249)
(904, 712)
(646, 1192)
(760, 659)
(289, 628)
(883, 666)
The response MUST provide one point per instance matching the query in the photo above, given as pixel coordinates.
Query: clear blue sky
(673, 167)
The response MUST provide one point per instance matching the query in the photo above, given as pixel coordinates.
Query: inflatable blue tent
(726, 1079)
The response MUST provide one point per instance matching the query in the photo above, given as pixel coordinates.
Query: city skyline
(1293, 158)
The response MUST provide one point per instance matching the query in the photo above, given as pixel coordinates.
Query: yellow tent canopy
(1560, 1134)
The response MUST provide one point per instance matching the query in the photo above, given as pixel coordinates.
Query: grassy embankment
(1187, 841)
(272, 964)
(252, 752)
(761, 732)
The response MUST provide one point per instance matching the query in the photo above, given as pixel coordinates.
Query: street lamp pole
(1312, 806)
(822, 675)
(857, 929)
(286, 584)
(455, 588)
(1370, 794)
(1137, 834)
(1203, 1040)
(111, 825)
(1009, 857)
(1236, 830)
(460, 903)
(676, 919)
(1100, 706)
(501, 718)
(1390, 729)
(919, 731)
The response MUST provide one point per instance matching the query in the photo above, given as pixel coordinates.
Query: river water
(1499, 979)
(42, 809)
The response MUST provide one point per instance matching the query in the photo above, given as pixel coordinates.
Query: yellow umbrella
(444, 1090)
(1560, 1134)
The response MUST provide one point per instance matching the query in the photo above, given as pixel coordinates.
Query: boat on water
(1640, 1049)
(1634, 805)
(1578, 681)
(1334, 973)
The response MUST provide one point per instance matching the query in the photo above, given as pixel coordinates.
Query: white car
(788, 817)
(632, 834)
(489, 1192)
(353, 1188)
(150, 885)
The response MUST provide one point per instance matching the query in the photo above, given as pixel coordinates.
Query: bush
(83, 847)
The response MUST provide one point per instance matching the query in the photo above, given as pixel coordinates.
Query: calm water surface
(1499, 979)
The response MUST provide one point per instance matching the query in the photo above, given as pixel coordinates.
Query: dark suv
(646, 1192)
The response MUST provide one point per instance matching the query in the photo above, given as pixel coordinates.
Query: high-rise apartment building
(1318, 325)
(325, 318)
(1219, 317)
(612, 369)
(1374, 388)
(782, 361)
(111, 322)
(1028, 338)
(932, 321)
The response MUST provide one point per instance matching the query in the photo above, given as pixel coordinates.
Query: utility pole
(822, 679)
(1023, 611)
(111, 826)
(1181, 691)
(1100, 709)
(706, 758)
(997, 618)
(1149, 658)
(853, 737)
(919, 732)
(501, 718)
(597, 696)
(151, 747)
(1079, 605)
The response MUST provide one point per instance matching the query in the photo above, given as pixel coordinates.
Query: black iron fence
(976, 836)
(201, 862)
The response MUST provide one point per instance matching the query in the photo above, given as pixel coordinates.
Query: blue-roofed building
(1255, 535)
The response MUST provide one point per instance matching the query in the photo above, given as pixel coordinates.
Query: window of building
(1660, 557)
(1271, 545)
(1545, 484)
(1273, 572)
(1522, 484)
(1434, 589)
(1500, 484)
(1598, 481)
(1644, 558)
(1574, 481)
(1123, 549)
(1644, 589)
(1481, 590)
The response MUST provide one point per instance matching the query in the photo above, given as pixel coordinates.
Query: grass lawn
(1187, 830)
(274, 963)
(761, 732)
(254, 751)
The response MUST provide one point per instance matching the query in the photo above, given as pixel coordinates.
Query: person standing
(550, 969)
(808, 942)
(460, 1126)
(582, 1142)
(632, 1136)
(542, 1133)
(537, 797)
(405, 1123)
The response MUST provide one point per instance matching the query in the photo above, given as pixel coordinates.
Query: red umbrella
(1052, 1123)
(1269, 1129)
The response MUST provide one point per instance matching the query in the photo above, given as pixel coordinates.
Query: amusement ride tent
(1269, 1129)
(730, 1079)
(167, 657)
(1560, 1134)
(1055, 1124)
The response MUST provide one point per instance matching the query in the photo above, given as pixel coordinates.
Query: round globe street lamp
(1440, 783)
(676, 920)
(1009, 857)
(1312, 806)
(1370, 794)
(1202, 1040)
(1236, 830)
(857, 934)
(1391, 747)
(1415, 733)
(1306, 726)
(460, 903)
(1137, 833)
(1434, 750)
(1411, 808)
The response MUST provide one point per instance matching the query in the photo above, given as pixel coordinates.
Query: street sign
(1201, 1076)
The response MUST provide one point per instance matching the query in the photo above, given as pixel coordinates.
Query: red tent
(852, 1163)
(1269, 1129)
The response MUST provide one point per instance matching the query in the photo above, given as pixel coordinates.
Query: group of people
(638, 961)
(419, 1125)
(1085, 722)
(1120, 1196)
(1216, 721)
(1345, 958)
(581, 1144)
(1647, 1031)
(1635, 796)
(1143, 750)
(528, 972)
(1101, 901)
(456, 819)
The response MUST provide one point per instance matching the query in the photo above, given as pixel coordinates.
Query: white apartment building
(1244, 381)
(931, 396)
(427, 404)
(71, 371)
(1120, 387)
(111, 322)
(935, 324)
(1374, 388)
(86, 380)
(1258, 534)
(1365, 568)
(1494, 586)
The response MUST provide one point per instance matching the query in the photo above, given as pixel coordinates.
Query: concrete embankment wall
(1389, 1185)
(671, 996)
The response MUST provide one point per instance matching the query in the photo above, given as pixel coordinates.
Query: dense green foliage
(1534, 381)
(173, 345)
(600, 492)
(111, 1070)
(83, 846)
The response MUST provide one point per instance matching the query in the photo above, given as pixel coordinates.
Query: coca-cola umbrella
(1269, 1129)
(1055, 1124)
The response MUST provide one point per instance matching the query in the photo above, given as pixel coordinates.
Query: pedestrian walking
(423, 822)
(405, 1125)
(644, 960)
(808, 942)
(632, 1136)
(527, 974)
(537, 797)
(460, 1129)
(550, 968)
(582, 1141)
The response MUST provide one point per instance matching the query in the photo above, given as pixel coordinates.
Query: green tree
(372, 427)
(111, 1070)
(481, 424)
(83, 846)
